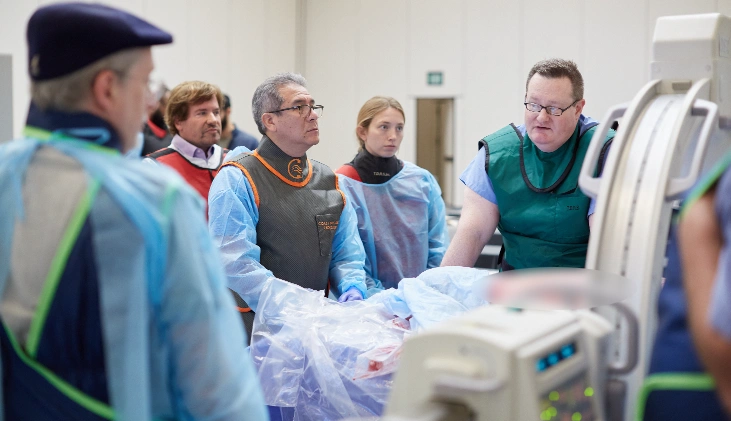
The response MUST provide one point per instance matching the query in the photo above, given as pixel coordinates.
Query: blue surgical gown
(174, 346)
(402, 225)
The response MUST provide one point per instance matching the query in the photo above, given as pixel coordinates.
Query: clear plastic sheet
(324, 360)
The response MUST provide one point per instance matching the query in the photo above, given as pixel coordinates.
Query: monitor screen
(557, 355)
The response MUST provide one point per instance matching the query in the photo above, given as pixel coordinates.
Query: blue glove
(352, 294)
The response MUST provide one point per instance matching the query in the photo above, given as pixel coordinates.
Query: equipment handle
(701, 107)
(588, 183)
(633, 342)
(451, 386)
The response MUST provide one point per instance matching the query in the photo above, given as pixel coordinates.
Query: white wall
(357, 49)
(6, 97)
(235, 44)
(350, 50)
(353, 51)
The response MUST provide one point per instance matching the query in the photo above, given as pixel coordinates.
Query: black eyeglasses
(304, 110)
(536, 108)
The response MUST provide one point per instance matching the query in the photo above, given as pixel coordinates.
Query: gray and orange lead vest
(299, 205)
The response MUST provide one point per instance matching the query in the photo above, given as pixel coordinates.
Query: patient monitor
(497, 363)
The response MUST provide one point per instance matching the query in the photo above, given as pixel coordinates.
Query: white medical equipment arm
(488, 362)
(665, 134)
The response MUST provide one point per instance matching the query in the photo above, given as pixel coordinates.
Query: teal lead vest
(543, 213)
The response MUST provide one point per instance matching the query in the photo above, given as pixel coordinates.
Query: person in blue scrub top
(690, 367)
(277, 213)
(231, 136)
(112, 300)
(401, 215)
(707, 277)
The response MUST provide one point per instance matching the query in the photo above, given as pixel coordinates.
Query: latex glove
(352, 294)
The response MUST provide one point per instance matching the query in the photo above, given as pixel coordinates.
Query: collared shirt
(210, 159)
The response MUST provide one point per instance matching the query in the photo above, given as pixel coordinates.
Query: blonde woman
(401, 215)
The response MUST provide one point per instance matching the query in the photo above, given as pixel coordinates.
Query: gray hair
(66, 93)
(555, 68)
(267, 98)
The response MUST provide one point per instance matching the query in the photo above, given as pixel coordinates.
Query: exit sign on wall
(434, 78)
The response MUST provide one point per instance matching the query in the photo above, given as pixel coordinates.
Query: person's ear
(105, 89)
(269, 122)
(362, 131)
(580, 107)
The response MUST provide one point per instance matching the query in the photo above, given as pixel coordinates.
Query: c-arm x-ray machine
(499, 364)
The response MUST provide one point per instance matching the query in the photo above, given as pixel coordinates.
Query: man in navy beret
(112, 299)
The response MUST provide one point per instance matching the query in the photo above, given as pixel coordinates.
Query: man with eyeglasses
(524, 179)
(276, 213)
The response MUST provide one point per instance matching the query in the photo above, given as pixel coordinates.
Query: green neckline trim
(58, 264)
(43, 135)
(706, 183)
(695, 382)
(99, 408)
(46, 136)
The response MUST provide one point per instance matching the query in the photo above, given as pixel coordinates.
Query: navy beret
(65, 37)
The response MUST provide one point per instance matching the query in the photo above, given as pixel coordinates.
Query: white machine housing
(675, 127)
(695, 47)
(503, 364)
(667, 135)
